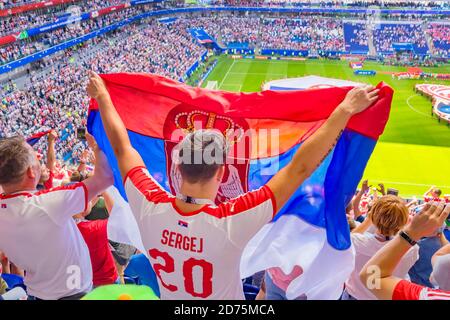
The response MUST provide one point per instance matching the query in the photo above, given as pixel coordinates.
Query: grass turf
(414, 151)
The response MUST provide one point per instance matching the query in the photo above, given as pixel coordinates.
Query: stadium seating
(440, 34)
(20, 22)
(327, 3)
(386, 34)
(356, 38)
(13, 281)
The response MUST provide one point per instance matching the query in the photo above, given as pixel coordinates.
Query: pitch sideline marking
(226, 74)
(232, 86)
(414, 109)
(271, 61)
(409, 183)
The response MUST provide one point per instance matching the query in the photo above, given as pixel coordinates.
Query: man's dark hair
(437, 192)
(14, 159)
(201, 154)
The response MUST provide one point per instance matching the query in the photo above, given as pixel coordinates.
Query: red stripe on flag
(144, 102)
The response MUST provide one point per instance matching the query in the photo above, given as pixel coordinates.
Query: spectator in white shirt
(37, 231)
(388, 215)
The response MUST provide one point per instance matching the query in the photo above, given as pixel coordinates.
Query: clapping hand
(428, 221)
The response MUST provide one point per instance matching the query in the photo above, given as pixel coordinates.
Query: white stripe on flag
(122, 226)
(290, 241)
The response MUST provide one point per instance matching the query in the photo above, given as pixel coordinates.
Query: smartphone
(81, 133)
(392, 191)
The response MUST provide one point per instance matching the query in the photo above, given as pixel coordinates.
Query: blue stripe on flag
(322, 198)
(150, 149)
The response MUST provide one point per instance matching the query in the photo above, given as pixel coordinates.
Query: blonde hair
(389, 214)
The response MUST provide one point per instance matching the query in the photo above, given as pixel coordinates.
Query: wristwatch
(408, 239)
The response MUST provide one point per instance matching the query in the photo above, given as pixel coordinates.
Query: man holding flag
(195, 245)
(48, 170)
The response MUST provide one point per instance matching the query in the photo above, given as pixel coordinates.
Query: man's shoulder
(250, 202)
(139, 181)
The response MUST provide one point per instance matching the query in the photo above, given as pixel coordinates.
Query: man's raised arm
(51, 155)
(103, 176)
(127, 157)
(316, 148)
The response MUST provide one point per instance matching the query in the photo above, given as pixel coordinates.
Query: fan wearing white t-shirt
(203, 246)
(388, 216)
(195, 245)
(385, 261)
(37, 231)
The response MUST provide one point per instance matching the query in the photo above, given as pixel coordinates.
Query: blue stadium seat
(250, 291)
(131, 280)
(139, 268)
(13, 281)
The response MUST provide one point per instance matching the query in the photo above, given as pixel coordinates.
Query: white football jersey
(39, 235)
(196, 255)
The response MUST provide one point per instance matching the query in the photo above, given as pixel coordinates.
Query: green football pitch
(414, 151)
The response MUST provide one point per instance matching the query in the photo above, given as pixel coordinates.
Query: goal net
(213, 85)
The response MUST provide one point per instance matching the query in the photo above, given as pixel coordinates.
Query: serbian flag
(32, 140)
(308, 242)
(356, 65)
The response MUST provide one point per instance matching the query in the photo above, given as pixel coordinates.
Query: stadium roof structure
(308, 82)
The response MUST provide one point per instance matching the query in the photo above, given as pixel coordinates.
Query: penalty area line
(414, 109)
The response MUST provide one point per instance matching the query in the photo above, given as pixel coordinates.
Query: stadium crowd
(21, 22)
(356, 37)
(61, 100)
(298, 34)
(306, 33)
(328, 3)
(314, 33)
(441, 38)
(387, 34)
(20, 49)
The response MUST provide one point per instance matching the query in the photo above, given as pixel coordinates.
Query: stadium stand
(356, 37)
(20, 22)
(440, 33)
(132, 52)
(18, 50)
(387, 34)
